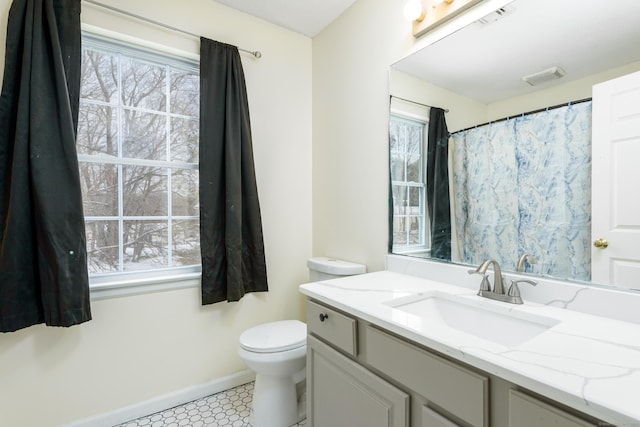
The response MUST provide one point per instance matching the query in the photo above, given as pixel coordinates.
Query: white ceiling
(307, 17)
(487, 62)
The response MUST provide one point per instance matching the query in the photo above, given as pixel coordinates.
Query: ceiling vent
(494, 16)
(553, 73)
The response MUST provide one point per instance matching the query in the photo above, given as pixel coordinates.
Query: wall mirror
(536, 182)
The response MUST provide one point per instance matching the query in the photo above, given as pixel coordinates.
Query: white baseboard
(166, 401)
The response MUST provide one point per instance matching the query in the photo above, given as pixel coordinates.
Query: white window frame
(425, 234)
(109, 285)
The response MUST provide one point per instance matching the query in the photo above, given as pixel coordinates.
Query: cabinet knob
(601, 243)
(323, 317)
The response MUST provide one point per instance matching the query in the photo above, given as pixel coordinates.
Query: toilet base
(274, 402)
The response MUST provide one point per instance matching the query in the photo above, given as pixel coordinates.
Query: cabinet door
(431, 418)
(342, 393)
(526, 411)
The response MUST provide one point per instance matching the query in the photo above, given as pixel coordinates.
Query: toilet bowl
(276, 352)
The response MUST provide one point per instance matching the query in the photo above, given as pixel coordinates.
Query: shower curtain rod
(255, 53)
(539, 110)
(417, 103)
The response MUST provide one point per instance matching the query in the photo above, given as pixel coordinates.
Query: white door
(616, 182)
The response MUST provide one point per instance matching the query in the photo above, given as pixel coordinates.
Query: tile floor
(228, 408)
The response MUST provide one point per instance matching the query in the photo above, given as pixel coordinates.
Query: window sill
(415, 251)
(127, 287)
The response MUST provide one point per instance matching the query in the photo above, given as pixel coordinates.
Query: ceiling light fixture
(437, 3)
(549, 74)
(413, 10)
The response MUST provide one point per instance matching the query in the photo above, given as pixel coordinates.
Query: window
(408, 171)
(138, 151)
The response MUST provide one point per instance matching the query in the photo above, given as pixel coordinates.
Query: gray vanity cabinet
(342, 393)
(431, 418)
(527, 411)
(359, 375)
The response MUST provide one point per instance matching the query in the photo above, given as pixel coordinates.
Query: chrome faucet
(498, 294)
(498, 288)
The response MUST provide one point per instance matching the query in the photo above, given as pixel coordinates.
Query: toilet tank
(324, 268)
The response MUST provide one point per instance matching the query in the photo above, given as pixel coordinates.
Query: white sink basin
(488, 320)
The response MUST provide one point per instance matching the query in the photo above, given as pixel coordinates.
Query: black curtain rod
(539, 110)
(414, 102)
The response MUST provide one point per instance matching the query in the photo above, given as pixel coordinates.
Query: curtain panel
(232, 248)
(438, 184)
(43, 261)
(523, 185)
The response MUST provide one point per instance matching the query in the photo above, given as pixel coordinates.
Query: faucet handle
(484, 285)
(514, 290)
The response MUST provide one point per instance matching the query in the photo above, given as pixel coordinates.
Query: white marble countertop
(587, 362)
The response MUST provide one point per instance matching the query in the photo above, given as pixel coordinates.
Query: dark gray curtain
(438, 185)
(43, 261)
(231, 243)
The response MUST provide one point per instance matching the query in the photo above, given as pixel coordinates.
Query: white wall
(463, 111)
(572, 91)
(140, 347)
(351, 60)
(350, 126)
(466, 112)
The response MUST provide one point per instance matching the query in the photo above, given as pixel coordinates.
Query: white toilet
(276, 352)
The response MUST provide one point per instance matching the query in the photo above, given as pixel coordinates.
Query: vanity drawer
(527, 411)
(333, 327)
(457, 390)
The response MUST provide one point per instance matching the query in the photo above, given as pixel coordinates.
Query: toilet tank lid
(335, 266)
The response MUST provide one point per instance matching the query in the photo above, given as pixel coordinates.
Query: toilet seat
(274, 337)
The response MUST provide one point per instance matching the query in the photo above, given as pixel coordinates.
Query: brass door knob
(601, 243)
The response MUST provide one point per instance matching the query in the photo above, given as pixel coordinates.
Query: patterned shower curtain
(523, 185)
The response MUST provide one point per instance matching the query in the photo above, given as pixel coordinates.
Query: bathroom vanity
(389, 349)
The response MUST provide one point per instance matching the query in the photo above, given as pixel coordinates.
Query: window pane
(143, 85)
(397, 166)
(145, 245)
(399, 200)
(184, 140)
(415, 215)
(396, 135)
(414, 154)
(399, 230)
(144, 191)
(102, 246)
(126, 125)
(184, 193)
(414, 139)
(97, 127)
(99, 189)
(415, 199)
(393, 139)
(99, 79)
(185, 94)
(414, 230)
(186, 242)
(145, 135)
